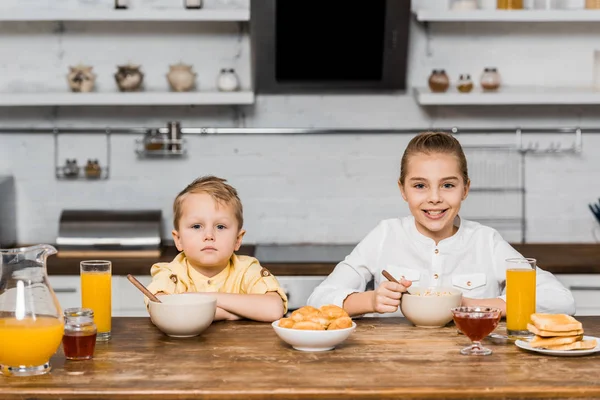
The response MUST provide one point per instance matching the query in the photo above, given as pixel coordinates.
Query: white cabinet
(586, 291)
(130, 299)
(127, 301)
(67, 289)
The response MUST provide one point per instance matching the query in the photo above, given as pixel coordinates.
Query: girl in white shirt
(433, 246)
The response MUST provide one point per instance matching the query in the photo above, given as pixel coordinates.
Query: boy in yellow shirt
(208, 219)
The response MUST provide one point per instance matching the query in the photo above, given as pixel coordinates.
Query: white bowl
(432, 311)
(183, 315)
(309, 340)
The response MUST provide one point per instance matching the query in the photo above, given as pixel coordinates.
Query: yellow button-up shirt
(243, 275)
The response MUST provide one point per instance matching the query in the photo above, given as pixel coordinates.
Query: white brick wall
(318, 189)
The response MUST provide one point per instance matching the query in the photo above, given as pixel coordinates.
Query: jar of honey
(79, 339)
(510, 4)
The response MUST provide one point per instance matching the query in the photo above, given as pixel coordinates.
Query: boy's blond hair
(220, 191)
(434, 142)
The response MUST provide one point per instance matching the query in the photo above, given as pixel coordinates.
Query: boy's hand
(386, 298)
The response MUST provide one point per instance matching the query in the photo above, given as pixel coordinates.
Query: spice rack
(161, 148)
(98, 172)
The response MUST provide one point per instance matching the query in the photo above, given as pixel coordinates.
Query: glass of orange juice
(96, 294)
(520, 295)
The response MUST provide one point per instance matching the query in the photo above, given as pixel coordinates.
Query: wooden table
(384, 358)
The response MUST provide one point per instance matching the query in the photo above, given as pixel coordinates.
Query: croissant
(340, 323)
(327, 317)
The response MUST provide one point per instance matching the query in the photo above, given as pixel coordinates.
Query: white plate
(565, 353)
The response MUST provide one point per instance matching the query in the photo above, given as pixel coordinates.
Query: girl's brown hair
(218, 189)
(434, 142)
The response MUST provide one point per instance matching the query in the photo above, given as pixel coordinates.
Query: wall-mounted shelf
(425, 15)
(93, 14)
(144, 98)
(520, 95)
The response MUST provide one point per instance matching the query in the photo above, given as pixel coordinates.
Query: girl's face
(434, 190)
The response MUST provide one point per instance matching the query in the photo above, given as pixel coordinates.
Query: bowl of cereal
(430, 307)
(315, 329)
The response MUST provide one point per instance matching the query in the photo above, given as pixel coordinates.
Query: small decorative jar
(510, 4)
(93, 169)
(154, 140)
(129, 77)
(464, 84)
(81, 78)
(490, 79)
(121, 4)
(181, 77)
(228, 81)
(70, 169)
(192, 3)
(592, 4)
(79, 339)
(463, 5)
(438, 81)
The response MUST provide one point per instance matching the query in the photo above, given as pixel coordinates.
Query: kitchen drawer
(586, 291)
(67, 289)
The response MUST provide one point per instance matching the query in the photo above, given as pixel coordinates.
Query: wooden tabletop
(564, 258)
(383, 358)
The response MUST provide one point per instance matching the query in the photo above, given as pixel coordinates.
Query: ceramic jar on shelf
(129, 78)
(81, 78)
(181, 77)
(592, 4)
(464, 84)
(463, 5)
(228, 81)
(490, 79)
(438, 81)
(510, 4)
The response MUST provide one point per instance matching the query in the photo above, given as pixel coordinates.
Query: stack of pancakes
(328, 317)
(558, 332)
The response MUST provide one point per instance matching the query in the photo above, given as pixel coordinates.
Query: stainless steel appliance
(8, 212)
(117, 233)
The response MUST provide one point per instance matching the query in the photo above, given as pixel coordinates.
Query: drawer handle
(65, 290)
(584, 287)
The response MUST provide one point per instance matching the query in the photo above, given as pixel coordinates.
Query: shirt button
(435, 276)
(209, 282)
(436, 251)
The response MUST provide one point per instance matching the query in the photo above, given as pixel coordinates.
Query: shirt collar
(217, 279)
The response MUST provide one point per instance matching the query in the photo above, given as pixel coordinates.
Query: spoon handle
(142, 288)
(388, 276)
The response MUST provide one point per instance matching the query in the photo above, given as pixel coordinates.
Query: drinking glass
(476, 323)
(96, 294)
(520, 295)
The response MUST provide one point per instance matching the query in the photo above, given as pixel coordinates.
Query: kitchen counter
(320, 260)
(384, 358)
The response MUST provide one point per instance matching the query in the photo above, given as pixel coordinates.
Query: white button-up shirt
(472, 260)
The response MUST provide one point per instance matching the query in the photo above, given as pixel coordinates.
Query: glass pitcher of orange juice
(31, 320)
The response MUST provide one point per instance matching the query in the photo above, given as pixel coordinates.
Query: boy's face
(434, 190)
(208, 231)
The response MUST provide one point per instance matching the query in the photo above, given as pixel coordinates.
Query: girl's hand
(386, 298)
